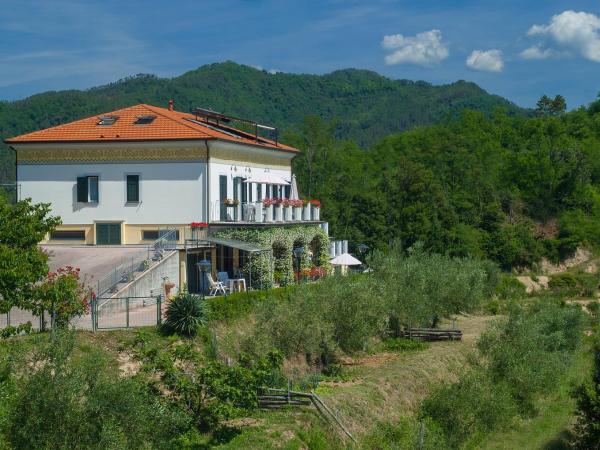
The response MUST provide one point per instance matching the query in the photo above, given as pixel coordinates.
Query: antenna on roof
(215, 118)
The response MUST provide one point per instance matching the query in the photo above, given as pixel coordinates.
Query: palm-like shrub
(185, 313)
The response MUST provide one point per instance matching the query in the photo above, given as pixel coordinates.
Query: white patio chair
(215, 286)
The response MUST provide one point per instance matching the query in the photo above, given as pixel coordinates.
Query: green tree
(22, 264)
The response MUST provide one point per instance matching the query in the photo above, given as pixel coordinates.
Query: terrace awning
(240, 245)
(266, 178)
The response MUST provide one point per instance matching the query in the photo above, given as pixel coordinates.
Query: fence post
(8, 318)
(159, 310)
(93, 310)
(127, 311)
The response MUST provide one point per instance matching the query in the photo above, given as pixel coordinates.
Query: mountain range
(364, 105)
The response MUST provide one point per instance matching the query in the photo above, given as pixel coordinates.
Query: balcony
(269, 212)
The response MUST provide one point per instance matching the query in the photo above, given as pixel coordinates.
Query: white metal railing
(125, 271)
(256, 212)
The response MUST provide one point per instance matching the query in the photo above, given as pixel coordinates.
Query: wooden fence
(271, 399)
(432, 334)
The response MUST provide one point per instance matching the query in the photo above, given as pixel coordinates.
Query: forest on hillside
(508, 188)
(364, 106)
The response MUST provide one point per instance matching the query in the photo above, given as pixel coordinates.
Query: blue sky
(517, 49)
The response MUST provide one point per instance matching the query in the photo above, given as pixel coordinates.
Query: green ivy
(281, 241)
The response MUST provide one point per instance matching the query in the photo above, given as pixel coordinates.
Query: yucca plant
(185, 313)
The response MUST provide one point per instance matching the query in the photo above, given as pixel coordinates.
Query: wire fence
(126, 312)
(108, 313)
(125, 272)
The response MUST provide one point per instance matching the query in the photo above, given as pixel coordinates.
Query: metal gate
(113, 313)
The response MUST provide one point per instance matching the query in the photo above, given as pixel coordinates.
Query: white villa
(127, 176)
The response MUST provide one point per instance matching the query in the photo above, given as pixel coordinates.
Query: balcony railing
(257, 212)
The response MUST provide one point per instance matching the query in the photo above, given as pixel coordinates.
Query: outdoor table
(237, 285)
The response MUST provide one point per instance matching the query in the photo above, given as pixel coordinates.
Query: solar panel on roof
(144, 120)
(107, 120)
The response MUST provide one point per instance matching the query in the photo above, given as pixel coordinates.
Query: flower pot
(269, 215)
(298, 213)
(306, 212)
(258, 212)
(316, 213)
(288, 210)
(278, 213)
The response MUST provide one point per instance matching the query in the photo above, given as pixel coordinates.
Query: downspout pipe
(207, 182)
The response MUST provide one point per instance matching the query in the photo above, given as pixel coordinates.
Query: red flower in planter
(198, 224)
(315, 203)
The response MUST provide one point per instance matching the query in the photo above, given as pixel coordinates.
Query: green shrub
(562, 281)
(470, 408)
(518, 358)
(240, 304)
(509, 288)
(587, 396)
(185, 314)
(68, 401)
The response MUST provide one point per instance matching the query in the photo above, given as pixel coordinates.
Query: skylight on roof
(107, 120)
(144, 120)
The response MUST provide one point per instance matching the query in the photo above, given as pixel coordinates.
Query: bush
(68, 401)
(240, 304)
(588, 408)
(185, 314)
(518, 358)
(470, 408)
(562, 281)
(509, 288)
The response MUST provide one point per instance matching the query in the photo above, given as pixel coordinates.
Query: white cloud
(487, 61)
(425, 49)
(570, 31)
(537, 52)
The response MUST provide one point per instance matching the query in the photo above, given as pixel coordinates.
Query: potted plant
(287, 209)
(197, 227)
(297, 205)
(306, 210)
(316, 209)
(278, 210)
(268, 204)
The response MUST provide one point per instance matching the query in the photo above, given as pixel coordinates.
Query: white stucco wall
(246, 163)
(170, 192)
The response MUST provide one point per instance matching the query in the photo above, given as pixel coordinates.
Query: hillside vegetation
(511, 189)
(366, 106)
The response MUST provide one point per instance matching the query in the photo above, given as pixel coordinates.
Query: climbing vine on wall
(278, 263)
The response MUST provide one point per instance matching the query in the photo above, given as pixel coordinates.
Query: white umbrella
(345, 259)
(294, 189)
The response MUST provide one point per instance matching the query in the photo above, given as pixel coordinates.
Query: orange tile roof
(168, 125)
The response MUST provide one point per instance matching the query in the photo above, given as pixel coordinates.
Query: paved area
(94, 261)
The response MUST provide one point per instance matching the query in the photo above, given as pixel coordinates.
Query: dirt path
(386, 386)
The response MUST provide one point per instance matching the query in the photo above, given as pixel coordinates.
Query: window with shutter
(82, 189)
(93, 189)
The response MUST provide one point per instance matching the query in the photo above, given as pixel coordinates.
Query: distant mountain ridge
(366, 106)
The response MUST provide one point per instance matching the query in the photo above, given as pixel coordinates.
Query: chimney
(171, 103)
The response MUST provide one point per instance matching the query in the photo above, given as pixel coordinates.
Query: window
(87, 189)
(133, 188)
(144, 120)
(107, 120)
(223, 196)
(287, 190)
(68, 235)
(152, 235)
(259, 196)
